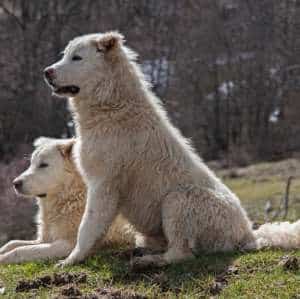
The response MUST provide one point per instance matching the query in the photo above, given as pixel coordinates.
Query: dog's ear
(109, 41)
(41, 140)
(66, 148)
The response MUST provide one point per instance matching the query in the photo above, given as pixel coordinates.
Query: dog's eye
(43, 165)
(76, 58)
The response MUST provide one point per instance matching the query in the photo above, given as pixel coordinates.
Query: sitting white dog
(53, 178)
(136, 163)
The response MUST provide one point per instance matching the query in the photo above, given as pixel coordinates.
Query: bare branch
(283, 207)
(286, 197)
(12, 15)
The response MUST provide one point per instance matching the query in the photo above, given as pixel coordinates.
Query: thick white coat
(135, 162)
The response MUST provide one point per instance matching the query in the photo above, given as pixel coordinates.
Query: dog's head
(86, 61)
(49, 168)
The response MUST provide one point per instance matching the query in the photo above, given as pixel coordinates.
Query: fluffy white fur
(135, 162)
(281, 234)
(60, 208)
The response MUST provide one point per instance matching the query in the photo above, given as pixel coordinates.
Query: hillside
(264, 274)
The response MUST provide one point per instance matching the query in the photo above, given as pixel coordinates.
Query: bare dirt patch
(69, 288)
(50, 281)
(111, 293)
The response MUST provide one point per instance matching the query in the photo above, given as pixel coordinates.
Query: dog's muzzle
(49, 74)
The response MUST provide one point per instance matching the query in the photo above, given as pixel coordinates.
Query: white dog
(136, 163)
(53, 178)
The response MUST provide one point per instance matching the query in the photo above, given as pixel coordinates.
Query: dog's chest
(97, 154)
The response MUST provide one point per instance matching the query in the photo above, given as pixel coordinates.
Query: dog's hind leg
(175, 232)
(173, 255)
(17, 243)
(43, 251)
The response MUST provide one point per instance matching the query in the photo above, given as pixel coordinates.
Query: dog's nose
(49, 73)
(18, 184)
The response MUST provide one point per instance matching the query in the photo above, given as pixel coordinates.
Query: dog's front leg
(42, 251)
(100, 211)
(17, 243)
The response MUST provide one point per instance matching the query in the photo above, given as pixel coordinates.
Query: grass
(260, 276)
(265, 182)
(256, 275)
(255, 193)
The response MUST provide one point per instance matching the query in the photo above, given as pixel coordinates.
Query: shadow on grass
(197, 274)
(202, 276)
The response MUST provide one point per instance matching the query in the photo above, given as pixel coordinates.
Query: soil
(49, 281)
(69, 289)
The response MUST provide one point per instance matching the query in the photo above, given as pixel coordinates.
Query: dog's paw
(72, 259)
(146, 261)
(64, 263)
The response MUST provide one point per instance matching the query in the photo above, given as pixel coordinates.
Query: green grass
(258, 274)
(254, 194)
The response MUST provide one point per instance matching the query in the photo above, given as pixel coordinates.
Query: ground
(264, 274)
(257, 184)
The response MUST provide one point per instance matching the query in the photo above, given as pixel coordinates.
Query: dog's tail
(283, 235)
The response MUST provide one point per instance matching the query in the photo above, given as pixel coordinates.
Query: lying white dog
(53, 178)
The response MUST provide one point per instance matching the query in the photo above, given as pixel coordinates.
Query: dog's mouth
(68, 89)
(61, 90)
(27, 195)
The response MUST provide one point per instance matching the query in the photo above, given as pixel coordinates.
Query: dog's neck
(71, 189)
(120, 98)
(71, 192)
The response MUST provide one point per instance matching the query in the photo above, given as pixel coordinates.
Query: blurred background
(227, 71)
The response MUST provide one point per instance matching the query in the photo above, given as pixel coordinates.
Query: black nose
(18, 184)
(49, 73)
